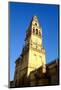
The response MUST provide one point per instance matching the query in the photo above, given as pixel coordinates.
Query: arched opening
(39, 33)
(36, 24)
(33, 30)
(36, 31)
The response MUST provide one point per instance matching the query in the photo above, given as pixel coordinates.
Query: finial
(34, 17)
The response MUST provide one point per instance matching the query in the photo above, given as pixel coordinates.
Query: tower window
(36, 24)
(39, 33)
(33, 30)
(36, 31)
(16, 72)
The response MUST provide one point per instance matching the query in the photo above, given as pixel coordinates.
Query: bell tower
(33, 54)
(36, 54)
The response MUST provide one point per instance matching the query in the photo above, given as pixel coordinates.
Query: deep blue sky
(20, 15)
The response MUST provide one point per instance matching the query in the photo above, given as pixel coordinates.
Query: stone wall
(38, 78)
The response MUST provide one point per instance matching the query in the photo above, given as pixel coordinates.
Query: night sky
(20, 15)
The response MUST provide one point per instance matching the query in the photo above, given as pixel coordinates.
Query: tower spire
(35, 17)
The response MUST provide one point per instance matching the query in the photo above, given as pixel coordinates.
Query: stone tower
(36, 53)
(33, 54)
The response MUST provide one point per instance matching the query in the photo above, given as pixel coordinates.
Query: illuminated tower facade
(33, 54)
